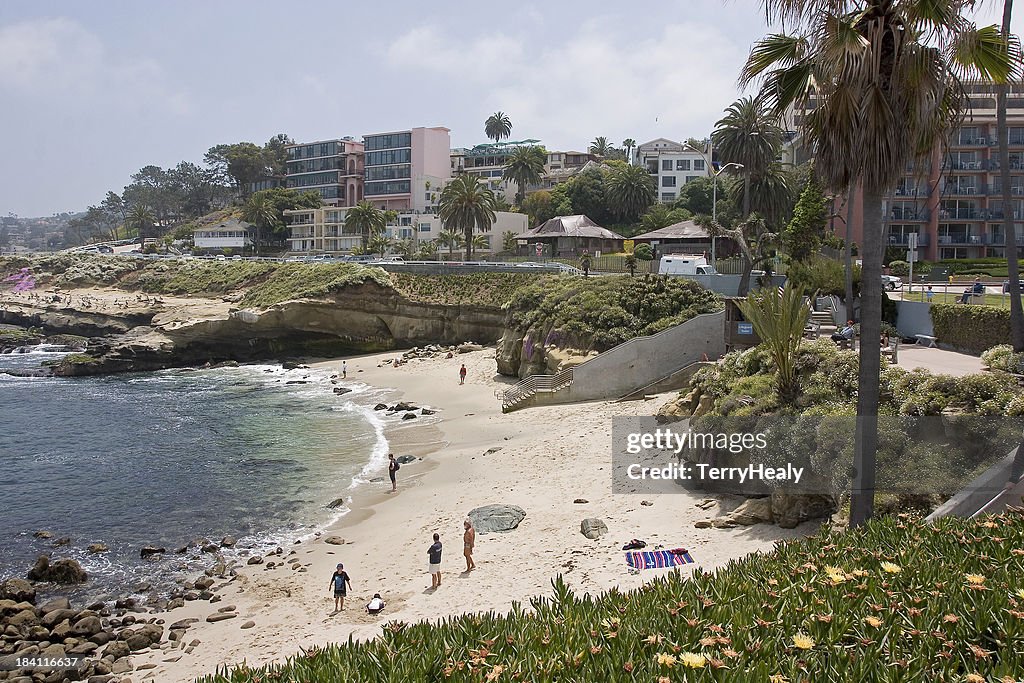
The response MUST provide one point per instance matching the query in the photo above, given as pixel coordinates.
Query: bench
(892, 351)
(925, 340)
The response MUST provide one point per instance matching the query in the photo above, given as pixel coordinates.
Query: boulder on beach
(403, 406)
(427, 411)
(336, 503)
(228, 542)
(98, 548)
(409, 416)
(61, 571)
(334, 540)
(406, 459)
(593, 528)
(43, 534)
(147, 551)
(381, 406)
(18, 590)
(495, 518)
(341, 390)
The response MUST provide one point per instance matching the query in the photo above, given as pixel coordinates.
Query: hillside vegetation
(263, 283)
(896, 600)
(599, 313)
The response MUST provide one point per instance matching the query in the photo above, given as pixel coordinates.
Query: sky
(90, 92)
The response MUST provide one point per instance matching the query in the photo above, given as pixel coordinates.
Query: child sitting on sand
(376, 605)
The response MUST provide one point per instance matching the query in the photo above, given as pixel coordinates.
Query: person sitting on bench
(977, 289)
(846, 334)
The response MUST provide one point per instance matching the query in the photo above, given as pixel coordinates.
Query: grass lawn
(953, 297)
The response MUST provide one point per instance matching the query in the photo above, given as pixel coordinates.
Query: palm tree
(481, 242)
(748, 135)
(1012, 265)
(629, 191)
(779, 319)
(451, 239)
(524, 167)
(368, 220)
(498, 126)
(629, 144)
(141, 219)
(379, 244)
(883, 78)
(600, 146)
(261, 212)
(466, 205)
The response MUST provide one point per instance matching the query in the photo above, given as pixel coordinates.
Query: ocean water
(167, 457)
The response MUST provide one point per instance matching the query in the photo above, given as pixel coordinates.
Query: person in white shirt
(376, 605)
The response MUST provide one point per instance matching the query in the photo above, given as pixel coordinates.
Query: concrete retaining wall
(644, 360)
(914, 318)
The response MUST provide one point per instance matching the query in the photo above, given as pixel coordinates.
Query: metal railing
(527, 388)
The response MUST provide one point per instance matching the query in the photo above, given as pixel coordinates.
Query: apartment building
(404, 170)
(952, 200)
(487, 161)
(321, 230)
(673, 164)
(334, 168)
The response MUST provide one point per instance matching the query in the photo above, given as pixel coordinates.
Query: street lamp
(714, 188)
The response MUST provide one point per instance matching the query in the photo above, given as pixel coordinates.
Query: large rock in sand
(593, 528)
(492, 518)
(61, 571)
(752, 511)
(18, 590)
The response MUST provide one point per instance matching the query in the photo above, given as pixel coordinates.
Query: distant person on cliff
(341, 584)
(434, 554)
(468, 542)
(462, 374)
(393, 467)
(344, 369)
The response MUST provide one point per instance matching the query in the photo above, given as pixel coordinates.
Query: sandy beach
(540, 459)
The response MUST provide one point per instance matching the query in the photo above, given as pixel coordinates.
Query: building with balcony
(952, 199)
(488, 161)
(321, 230)
(673, 164)
(230, 234)
(334, 168)
(405, 170)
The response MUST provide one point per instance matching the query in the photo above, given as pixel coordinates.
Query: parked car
(891, 282)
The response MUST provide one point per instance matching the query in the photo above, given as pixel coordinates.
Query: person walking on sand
(341, 584)
(468, 541)
(462, 374)
(434, 554)
(344, 369)
(393, 467)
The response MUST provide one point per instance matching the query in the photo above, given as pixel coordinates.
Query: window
(668, 181)
(394, 156)
(424, 227)
(691, 178)
(668, 196)
(698, 164)
(386, 187)
(666, 165)
(682, 164)
(374, 142)
(395, 172)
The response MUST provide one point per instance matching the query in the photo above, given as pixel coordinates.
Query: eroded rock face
(519, 355)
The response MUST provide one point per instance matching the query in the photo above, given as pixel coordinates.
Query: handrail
(642, 390)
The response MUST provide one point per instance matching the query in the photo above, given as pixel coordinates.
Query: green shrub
(899, 268)
(823, 275)
(895, 600)
(1003, 358)
(995, 267)
(973, 329)
(599, 313)
(643, 252)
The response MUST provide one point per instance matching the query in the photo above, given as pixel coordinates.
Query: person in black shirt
(434, 552)
(338, 582)
(392, 468)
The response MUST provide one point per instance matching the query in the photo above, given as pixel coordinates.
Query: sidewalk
(937, 361)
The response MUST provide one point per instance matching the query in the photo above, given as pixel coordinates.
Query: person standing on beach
(344, 369)
(392, 468)
(468, 541)
(341, 584)
(462, 374)
(434, 553)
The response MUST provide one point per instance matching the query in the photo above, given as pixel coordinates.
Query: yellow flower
(1020, 593)
(693, 660)
(803, 641)
(891, 568)
(859, 573)
(667, 660)
(778, 678)
(975, 579)
(829, 569)
(975, 678)
(874, 622)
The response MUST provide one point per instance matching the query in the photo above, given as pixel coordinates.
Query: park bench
(925, 340)
(892, 351)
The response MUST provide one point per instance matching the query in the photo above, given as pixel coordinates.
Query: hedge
(971, 328)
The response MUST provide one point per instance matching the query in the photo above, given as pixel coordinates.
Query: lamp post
(714, 188)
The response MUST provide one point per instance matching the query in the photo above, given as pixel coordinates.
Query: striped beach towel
(654, 559)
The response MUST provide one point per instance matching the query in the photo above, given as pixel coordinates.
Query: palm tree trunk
(469, 245)
(866, 439)
(1012, 266)
(848, 252)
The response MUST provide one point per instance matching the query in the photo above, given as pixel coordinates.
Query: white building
(231, 234)
(426, 227)
(673, 164)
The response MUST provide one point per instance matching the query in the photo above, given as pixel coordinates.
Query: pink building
(405, 170)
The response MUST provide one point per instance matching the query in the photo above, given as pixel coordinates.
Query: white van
(685, 264)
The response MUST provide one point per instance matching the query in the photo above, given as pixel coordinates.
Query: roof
(572, 226)
(229, 224)
(683, 230)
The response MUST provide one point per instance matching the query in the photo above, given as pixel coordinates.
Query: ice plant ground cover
(896, 600)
